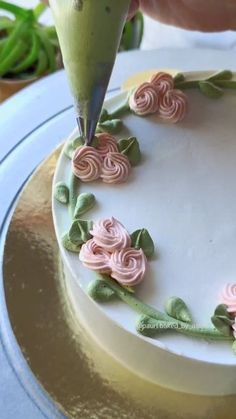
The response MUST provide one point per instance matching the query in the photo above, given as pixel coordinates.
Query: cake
(149, 242)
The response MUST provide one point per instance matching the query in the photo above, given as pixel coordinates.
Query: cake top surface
(183, 193)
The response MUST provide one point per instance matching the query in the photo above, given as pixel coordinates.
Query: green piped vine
(176, 316)
(211, 87)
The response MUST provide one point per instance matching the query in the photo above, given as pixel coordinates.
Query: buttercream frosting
(110, 234)
(144, 100)
(173, 105)
(116, 168)
(106, 144)
(162, 82)
(95, 257)
(128, 266)
(87, 164)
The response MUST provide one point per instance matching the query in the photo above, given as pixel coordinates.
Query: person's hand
(200, 15)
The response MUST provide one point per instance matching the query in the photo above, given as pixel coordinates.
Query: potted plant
(28, 50)
(132, 33)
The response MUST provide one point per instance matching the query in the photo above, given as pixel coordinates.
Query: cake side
(182, 193)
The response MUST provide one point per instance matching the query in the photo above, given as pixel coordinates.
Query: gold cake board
(83, 380)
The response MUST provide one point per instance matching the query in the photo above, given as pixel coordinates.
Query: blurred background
(29, 48)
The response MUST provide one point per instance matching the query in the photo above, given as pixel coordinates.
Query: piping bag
(89, 33)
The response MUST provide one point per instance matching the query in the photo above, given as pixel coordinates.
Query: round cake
(165, 194)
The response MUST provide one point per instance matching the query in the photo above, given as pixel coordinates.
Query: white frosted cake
(161, 301)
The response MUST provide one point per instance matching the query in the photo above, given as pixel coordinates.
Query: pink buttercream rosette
(110, 234)
(87, 164)
(106, 144)
(159, 96)
(173, 106)
(144, 100)
(162, 82)
(104, 162)
(110, 252)
(95, 257)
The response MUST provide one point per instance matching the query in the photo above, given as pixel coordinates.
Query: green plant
(27, 48)
(132, 33)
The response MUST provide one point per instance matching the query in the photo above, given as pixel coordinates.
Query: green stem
(49, 49)
(183, 328)
(39, 9)
(15, 10)
(142, 308)
(227, 84)
(187, 84)
(72, 195)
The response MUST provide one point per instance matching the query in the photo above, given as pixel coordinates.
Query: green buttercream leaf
(67, 243)
(221, 75)
(234, 347)
(221, 310)
(85, 202)
(79, 231)
(141, 239)
(104, 115)
(176, 308)
(112, 126)
(210, 90)
(221, 324)
(72, 145)
(222, 320)
(150, 327)
(100, 291)
(179, 78)
(61, 193)
(130, 148)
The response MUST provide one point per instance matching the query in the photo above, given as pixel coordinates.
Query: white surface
(183, 193)
(159, 35)
(23, 113)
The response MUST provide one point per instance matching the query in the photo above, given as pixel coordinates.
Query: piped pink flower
(95, 257)
(110, 234)
(116, 168)
(106, 144)
(173, 105)
(128, 266)
(144, 100)
(228, 297)
(87, 164)
(162, 82)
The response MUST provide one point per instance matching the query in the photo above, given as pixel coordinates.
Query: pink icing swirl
(162, 82)
(106, 144)
(144, 100)
(87, 164)
(95, 257)
(128, 266)
(116, 168)
(173, 105)
(110, 234)
(228, 297)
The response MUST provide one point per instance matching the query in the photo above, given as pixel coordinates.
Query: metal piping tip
(87, 129)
